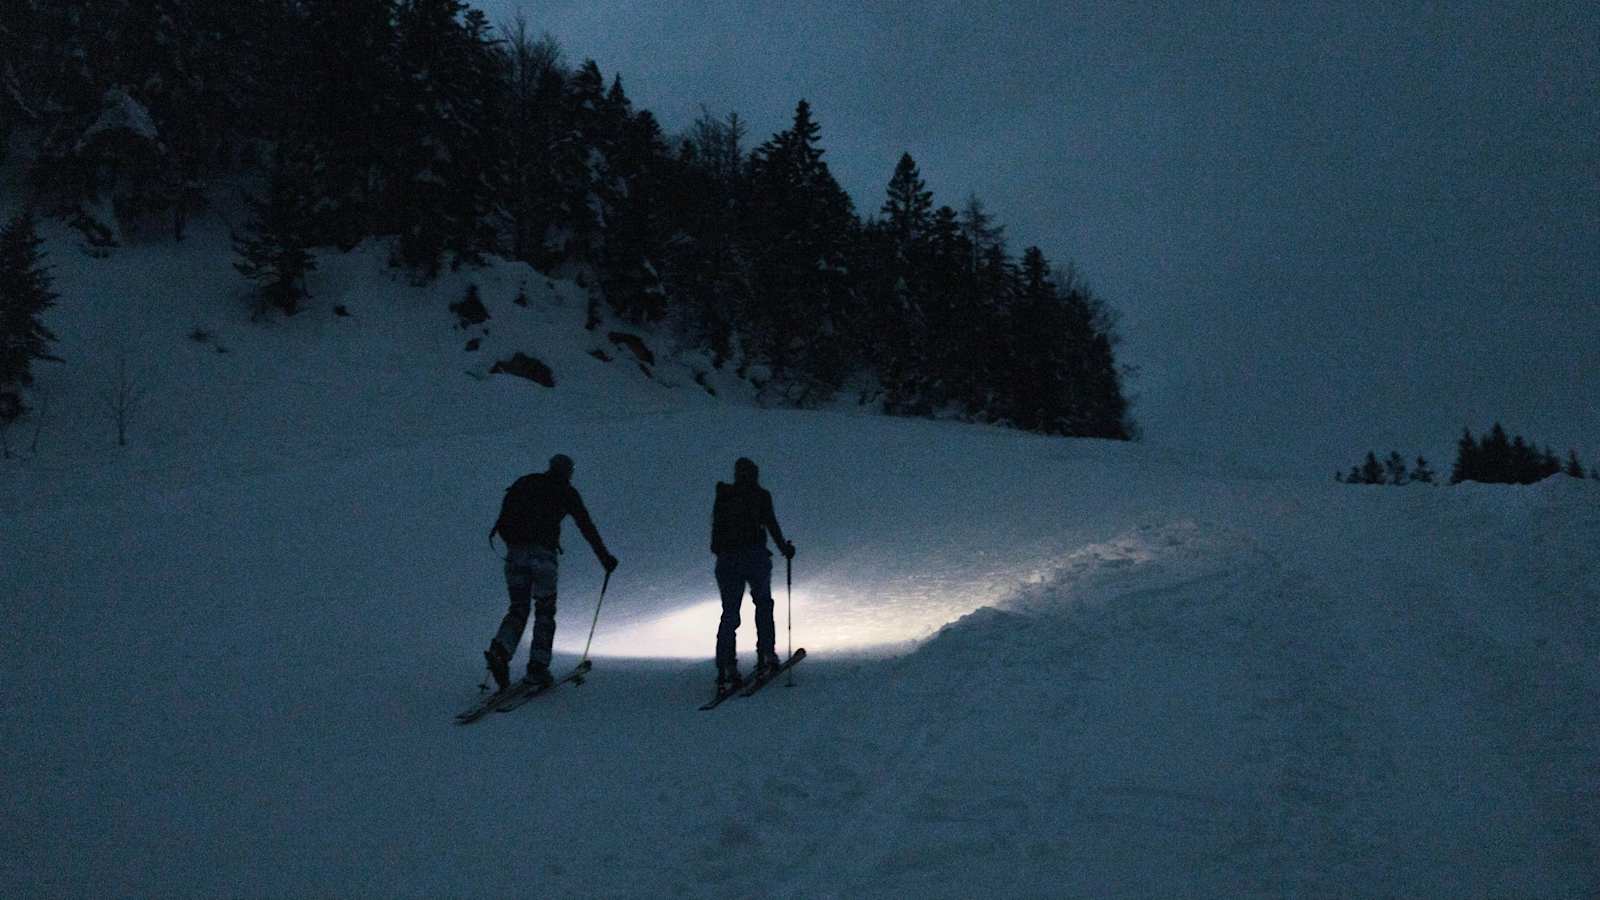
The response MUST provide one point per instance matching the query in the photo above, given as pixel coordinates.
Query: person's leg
(519, 585)
(730, 583)
(543, 568)
(760, 576)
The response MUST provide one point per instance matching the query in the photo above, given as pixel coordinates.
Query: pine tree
(982, 233)
(637, 224)
(1421, 472)
(950, 304)
(579, 155)
(1354, 476)
(1061, 377)
(908, 206)
(802, 227)
(991, 350)
(1574, 467)
(535, 81)
(1497, 457)
(24, 296)
(707, 260)
(1372, 471)
(1100, 408)
(146, 99)
(274, 251)
(339, 95)
(1524, 463)
(201, 73)
(1468, 465)
(1032, 389)
(19, 61)
(1549, 464)
(441, 188)
(902, 289)
(1395, 466)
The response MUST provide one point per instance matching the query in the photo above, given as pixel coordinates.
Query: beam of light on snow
(879, 607)
(882, 619)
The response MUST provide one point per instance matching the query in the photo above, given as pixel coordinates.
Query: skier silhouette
(530, 524)
(741, 519)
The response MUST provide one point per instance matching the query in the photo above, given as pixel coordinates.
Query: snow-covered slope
(231, 650)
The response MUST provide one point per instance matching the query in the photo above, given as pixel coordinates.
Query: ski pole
(788, 583)
(596, 621)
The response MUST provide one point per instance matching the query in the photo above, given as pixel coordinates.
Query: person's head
(561, 467)
(745, 472)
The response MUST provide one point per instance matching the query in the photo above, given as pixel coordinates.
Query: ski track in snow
(229, 658)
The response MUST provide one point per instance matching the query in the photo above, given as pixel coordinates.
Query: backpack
(528, 500)
(735, 518)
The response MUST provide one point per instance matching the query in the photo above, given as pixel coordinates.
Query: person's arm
(500, 519)
(580, 515)
(769, 518)
(716, 503)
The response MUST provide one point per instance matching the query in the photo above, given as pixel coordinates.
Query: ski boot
(766, 666)
(499, 664)
(538, 677)
(729, 679)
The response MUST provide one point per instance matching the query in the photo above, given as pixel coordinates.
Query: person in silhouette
(530, 524)
(741, 519)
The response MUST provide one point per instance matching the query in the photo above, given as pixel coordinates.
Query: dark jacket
(742, 517)
(533, 509)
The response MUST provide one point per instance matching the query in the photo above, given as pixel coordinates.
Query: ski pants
(750, 566)
(530, 578)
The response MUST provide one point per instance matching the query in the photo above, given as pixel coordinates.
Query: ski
(757, 684)
(521, 694)
(721, 696)
(488, 702)
(513, 695)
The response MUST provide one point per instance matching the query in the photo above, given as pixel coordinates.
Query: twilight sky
(1329, 226)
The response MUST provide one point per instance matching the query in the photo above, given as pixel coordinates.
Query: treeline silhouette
(1495, 458)
(1392, 470)
(418, 122)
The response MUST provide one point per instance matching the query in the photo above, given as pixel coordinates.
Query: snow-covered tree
(143, 102)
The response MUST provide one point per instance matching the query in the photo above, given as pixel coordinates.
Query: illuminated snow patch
(877, 605)
(883, 619)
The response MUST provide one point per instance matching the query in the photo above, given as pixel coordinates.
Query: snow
(120, 112)
(1038, 667)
